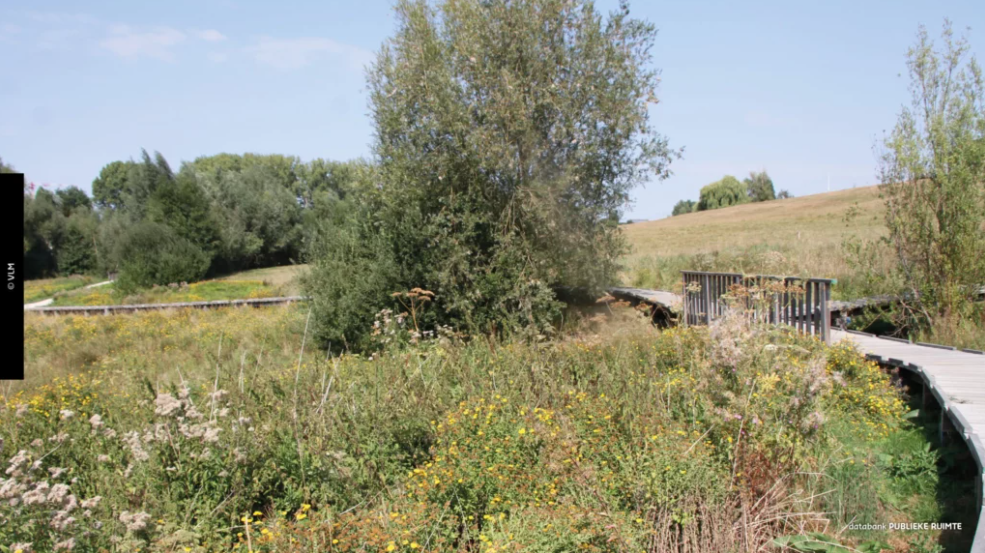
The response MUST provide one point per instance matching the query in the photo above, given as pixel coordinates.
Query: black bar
(12, 202)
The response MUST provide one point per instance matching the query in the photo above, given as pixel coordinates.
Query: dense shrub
(684, 206)
(152, 253)
(76, 254)
(724, 193)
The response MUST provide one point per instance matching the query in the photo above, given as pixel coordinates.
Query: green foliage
(255, 206)
(783, 195)
(6, 168)
(684, 206)
(759, 186)
(817, 542)
(508, 137)
(71, 199)
(180, 204)
(724, 193)
(932, 174)
(349, 245)
(112, 184)
(151, 253)
(76, 253)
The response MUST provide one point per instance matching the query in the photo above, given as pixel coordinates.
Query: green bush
(724, 193)
(684, 206)
(152, 253)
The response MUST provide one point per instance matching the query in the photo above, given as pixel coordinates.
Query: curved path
(47, 302)
(955, 379)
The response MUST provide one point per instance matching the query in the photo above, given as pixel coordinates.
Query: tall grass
(210, 430)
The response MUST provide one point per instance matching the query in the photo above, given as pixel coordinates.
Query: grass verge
(42, 289)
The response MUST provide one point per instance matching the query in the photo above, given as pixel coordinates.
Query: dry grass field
(810, 220)
(798, 236)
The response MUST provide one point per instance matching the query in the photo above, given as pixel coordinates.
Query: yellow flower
(391, 547)
(414, 545)
(300, 516)
(305, 508)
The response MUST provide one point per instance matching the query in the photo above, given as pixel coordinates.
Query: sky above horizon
(802, 91)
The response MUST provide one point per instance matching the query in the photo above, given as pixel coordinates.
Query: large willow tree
(508, 137)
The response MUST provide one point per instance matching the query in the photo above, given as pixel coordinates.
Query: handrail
(107, 309)
(800, 302)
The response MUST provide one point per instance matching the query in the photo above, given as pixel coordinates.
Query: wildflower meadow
(225, 431)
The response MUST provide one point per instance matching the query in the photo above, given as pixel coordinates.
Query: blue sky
(802, 90)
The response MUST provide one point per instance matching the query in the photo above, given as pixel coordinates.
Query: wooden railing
(799, 302)
(134, 307)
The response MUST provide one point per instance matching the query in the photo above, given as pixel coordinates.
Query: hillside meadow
(796, 236)
(229, 430)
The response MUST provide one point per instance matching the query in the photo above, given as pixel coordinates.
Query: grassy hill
(797, 236)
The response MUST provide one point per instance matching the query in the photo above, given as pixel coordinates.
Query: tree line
(152, 225)
(508, 136)
(728, 191)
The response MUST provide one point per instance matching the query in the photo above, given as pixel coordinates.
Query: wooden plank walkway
(955, 378)
(658, 298)
(113, 309)
(957, 381)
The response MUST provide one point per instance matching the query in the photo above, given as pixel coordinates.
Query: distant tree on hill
(6, 168)
(759, 186)
(683, 206)
(783, 195)
(724, 193)
(932, 175)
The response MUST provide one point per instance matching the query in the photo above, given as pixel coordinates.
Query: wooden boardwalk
(131, 308)
(954, 378)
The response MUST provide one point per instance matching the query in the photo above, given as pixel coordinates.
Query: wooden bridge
(952, 381)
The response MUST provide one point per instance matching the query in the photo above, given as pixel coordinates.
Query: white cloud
(210, 35)
(295, 53)
(127, 43)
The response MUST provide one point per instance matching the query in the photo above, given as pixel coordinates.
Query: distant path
(37, 304)
(44, 303)
(113, 309)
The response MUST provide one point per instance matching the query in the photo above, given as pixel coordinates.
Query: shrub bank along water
(204, 431)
